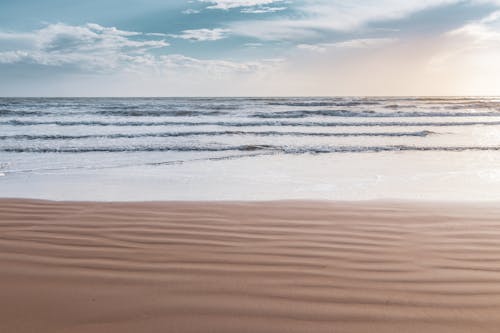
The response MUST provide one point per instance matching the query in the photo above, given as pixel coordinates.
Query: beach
(283, 266)
(250, 166)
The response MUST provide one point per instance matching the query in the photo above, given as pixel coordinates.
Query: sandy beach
(249, 267)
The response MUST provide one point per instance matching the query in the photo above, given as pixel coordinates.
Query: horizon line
(268, 96)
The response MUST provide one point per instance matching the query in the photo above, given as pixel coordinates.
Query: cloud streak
(362, 43)
(203, 34)
(230, 4)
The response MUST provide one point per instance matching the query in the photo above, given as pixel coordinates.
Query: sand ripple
(249, 267)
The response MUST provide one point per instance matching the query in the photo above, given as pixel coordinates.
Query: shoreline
(274, 266)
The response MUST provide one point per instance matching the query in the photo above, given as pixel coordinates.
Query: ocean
(341, 148)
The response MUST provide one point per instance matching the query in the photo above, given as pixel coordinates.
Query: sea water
(250, 148)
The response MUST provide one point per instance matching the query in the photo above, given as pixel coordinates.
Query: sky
(249, 47)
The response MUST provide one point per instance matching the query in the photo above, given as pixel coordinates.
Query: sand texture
(249, 267)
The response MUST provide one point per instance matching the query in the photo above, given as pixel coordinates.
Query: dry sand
(249, 267)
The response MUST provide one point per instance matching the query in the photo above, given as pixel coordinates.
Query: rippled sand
(249, 267)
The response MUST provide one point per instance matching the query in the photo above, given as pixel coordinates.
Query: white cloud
(177, 61)
(364, 43)
(95, 49)
(156, 34)
(203, 34)
(274, 30)
(253, 45)
(190, 11)
(229, 4)
(478, 43)
(329, 15)
(361, 43)
(89, 46)
(262, 10)
(312, 47)
(9, 57)
(478, 32)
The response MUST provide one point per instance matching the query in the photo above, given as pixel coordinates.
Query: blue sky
(249, 47)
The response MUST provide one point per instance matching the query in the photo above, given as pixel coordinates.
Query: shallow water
(250, 148)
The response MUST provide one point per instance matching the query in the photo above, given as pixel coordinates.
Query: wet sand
(249, 267)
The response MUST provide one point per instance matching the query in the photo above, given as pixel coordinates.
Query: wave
(461, 103)
(155, 113)
(391, 102)
(135, 149)
(263, 115)
(114, 113)
(221, 133)
(369, 114)
(248, 124)
(250, 148)
(22, 113)
(136, 164)
(325, 103)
